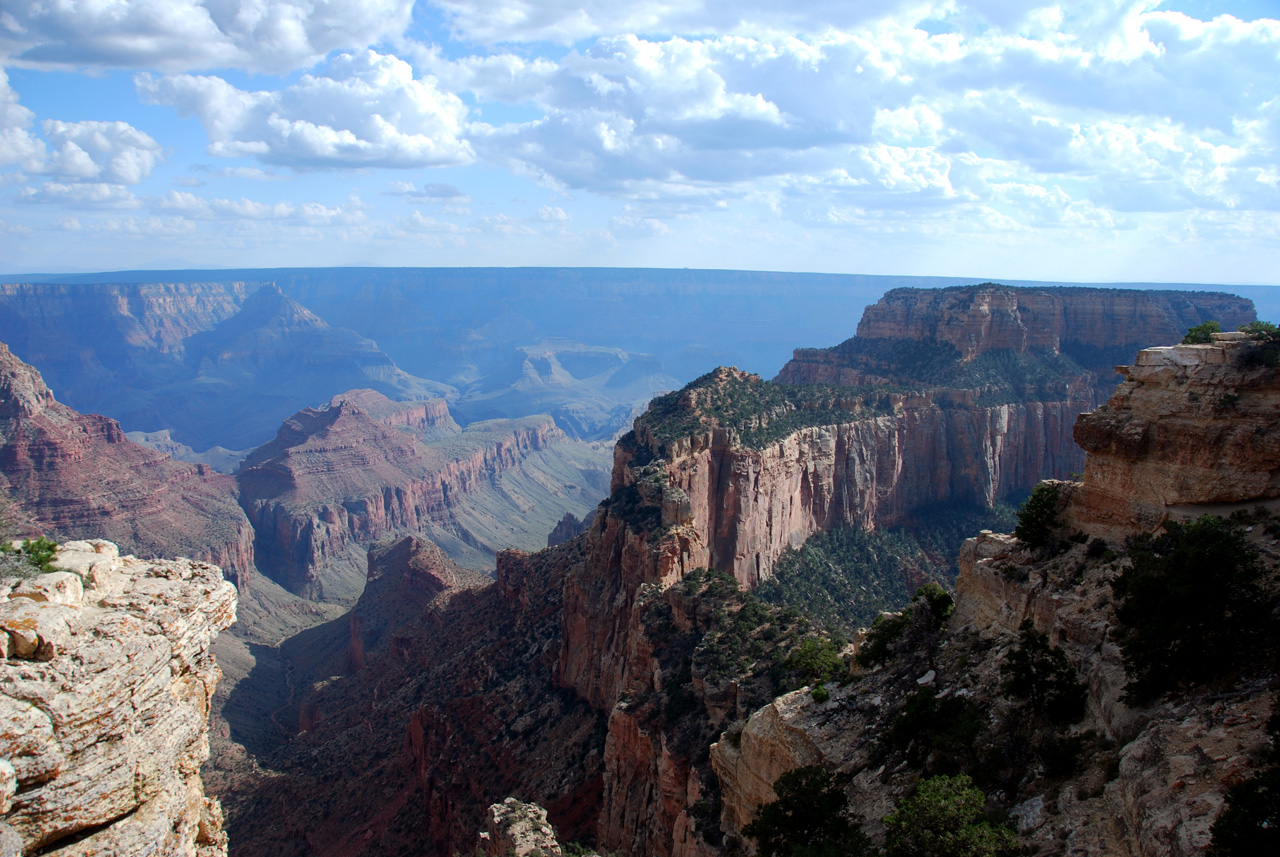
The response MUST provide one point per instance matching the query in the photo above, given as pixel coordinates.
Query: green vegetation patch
(1038, 519)
(736, 637)
(1001, 376)
(947, 816)
(1193, 609)
(34, 556)
(757, 411)
(810, 818)
(1042, 678)
(847, 576)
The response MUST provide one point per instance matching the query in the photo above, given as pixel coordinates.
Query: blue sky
(998, 139)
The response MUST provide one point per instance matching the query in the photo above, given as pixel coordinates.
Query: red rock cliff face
(77, 475)
(709, 500)
(454, 710)
(338, 478)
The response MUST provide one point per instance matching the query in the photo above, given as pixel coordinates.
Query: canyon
(219, 363)
(77, 476)
(363, 468)
(559, 683)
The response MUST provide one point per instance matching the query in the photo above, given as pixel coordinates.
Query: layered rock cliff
(105, 685)
(724, 474)
(454, 708)
(1191, 429)
(1150, 778)
(1095, 327)
(77, 475)
(338, 478)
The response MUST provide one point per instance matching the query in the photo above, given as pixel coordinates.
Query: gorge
(627, 680)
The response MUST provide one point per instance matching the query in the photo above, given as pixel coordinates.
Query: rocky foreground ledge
(105, 682)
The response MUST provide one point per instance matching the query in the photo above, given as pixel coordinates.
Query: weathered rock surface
(338, 478)
(568, 527)
(1162, 447)
(104, 705)
(519, 829)
(77, 475)
(1193, 427)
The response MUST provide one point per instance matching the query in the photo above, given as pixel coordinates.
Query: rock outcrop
(518, 829)
(77, 475)
(1192, 427)
(568, 527)
(1155, 776)
(105, 687)
(1096, 327)
(363, 468)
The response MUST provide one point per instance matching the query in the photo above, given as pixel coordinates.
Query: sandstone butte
(106, 678)
(549, 684)
(336, 479)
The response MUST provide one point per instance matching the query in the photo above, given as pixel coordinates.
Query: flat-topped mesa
(1191, 430)
(106, 677)
(75, 474)
(1095, 328)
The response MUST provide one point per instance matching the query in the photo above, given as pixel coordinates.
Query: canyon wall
(452, 707)
(338, 478)
(78, 476)
(1192, 429)
(685, 498)
(726, 473)
(1165, 446)
(105, 684)
(977, 319)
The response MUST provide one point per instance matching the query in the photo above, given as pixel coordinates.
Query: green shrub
(35, 556)
(1038, 521)
(884, 632)
(940, 603)
(820, 693)
(946, 818)
(939, 732)
(1199, 335)
(1043, 678)
(810, 818)
(1266, 345)
(1192, 608)
(817, 661)
(846, 576)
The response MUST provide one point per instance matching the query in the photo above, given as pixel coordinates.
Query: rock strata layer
(104, 704)
(364, 468)
(78, 476)
(517, 829)
(1191, 429)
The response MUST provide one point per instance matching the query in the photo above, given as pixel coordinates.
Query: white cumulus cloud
(114, 152)
(180, 35)
(365, 110)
